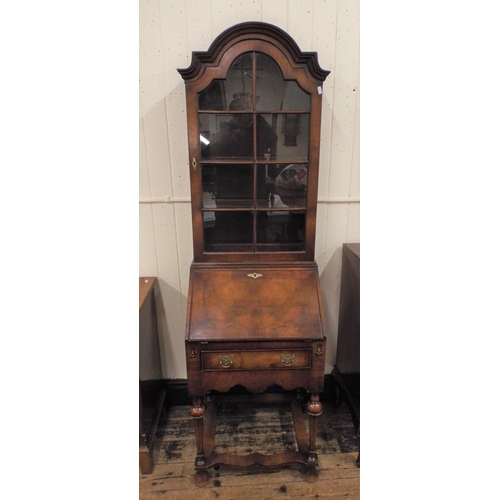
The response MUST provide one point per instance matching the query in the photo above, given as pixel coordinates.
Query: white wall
(169, 31)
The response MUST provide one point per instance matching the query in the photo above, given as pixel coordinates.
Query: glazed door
(254, 143)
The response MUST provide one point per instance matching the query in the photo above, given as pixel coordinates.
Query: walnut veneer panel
(228, 304)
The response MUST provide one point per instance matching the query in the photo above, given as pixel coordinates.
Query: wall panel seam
(146, 154)
(170, 162)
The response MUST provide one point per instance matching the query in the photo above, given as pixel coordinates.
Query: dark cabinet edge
(250, 31)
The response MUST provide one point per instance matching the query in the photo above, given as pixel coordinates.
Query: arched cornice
(251, 31)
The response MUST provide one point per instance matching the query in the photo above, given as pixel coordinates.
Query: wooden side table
(149, 369)
(346, 371)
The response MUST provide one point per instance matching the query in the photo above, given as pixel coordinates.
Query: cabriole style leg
(197, 411)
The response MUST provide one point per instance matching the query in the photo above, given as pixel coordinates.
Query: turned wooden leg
(197, 411)
(314, 409)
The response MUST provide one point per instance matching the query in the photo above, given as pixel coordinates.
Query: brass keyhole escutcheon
(254, 275)
(287, 359)
(226, 361)
(193, 163)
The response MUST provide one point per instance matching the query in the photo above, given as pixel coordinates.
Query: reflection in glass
(213, 97)
(238, 85)
(239, 80)
(235, 228)
(220, 136)
(227, 136)
(282, 185)
(273, 92)
(283, 228)
(254, 147)
(292, 130)
(229, 183)
(231, 136)
(276, 94)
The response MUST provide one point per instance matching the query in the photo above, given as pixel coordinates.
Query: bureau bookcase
(254, 313)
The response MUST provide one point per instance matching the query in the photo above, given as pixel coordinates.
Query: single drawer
(256, 359)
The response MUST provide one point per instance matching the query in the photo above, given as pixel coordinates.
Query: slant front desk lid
(254, 303)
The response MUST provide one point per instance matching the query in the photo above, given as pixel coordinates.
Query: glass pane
(249, 153)
(267, 138)
(230, 185)
(276, 94)
(229, 228)
(209, 178)
(226, 136)
(213, 97)
(282, 186)
(292, 132)
(238, 84)
(278, 230)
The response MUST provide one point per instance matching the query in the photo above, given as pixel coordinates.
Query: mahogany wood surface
(299, 427)
(146, 284)
(301, 456)
(227, 304)
(200, 381)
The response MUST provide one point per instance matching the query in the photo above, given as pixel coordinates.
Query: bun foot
(201, 478)
(310, 475)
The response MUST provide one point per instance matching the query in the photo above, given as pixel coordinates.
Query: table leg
(358, 439)
(197, 411)
(314, 409)
(145, 458)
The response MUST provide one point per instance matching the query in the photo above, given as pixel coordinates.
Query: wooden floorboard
(245, 429)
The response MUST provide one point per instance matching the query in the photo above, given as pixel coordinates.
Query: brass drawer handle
(226, 361)
(287, 359)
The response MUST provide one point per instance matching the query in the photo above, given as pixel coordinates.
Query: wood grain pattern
(227, 304)
(145, 287)
(256, 360)
(201, 381)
